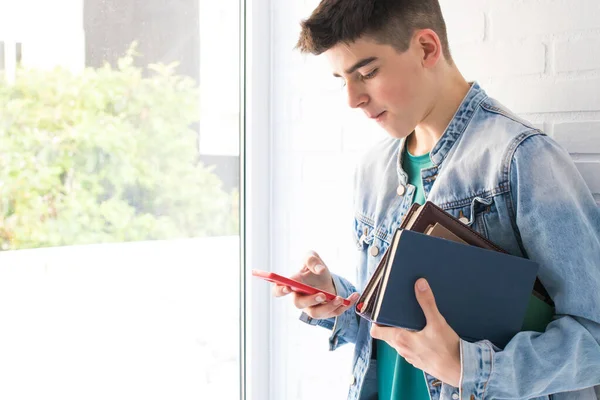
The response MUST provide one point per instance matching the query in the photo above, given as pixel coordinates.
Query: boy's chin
(399, 133)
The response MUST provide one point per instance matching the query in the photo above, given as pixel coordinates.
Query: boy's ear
(430, 47)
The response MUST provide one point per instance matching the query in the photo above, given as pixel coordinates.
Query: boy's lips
(381, 116)
(374, 116)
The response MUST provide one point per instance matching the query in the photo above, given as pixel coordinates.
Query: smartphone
(294, 285)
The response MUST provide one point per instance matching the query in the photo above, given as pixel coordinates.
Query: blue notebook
(482, 294)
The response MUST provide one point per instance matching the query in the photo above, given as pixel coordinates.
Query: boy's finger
(280, 291)
(333, 308)
(314, 263)
(353, 298)
(304, 301)
(326, 310)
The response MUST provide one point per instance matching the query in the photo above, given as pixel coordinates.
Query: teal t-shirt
(396, 378)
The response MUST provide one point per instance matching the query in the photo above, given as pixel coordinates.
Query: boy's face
(390, 87)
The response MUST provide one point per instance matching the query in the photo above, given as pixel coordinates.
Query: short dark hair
(390, 22)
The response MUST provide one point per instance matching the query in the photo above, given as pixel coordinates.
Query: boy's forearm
(564, 358)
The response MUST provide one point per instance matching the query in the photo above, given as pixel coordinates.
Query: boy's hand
(315, 273)
(435, 349)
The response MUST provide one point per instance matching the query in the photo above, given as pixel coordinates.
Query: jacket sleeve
(345, 326)
(558, 224)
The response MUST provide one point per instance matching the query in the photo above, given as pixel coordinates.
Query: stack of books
(482, 291)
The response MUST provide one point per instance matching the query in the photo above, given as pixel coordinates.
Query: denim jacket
(517, 187)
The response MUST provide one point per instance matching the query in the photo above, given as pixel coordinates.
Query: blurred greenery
(105, 155)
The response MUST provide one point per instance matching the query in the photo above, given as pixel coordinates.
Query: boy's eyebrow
(359, 64)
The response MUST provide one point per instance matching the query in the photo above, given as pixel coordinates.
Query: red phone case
(294, 285)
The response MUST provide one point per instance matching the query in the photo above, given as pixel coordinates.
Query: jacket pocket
(475, 213)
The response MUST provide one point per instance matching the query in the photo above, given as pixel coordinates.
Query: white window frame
(256, 191)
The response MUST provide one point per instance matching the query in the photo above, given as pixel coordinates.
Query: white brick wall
(540, 58)
(577, 55)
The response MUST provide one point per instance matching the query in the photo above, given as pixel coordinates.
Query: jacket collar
(459, 123)
(453, 132)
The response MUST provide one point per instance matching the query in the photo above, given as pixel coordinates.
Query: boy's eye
(370, 74)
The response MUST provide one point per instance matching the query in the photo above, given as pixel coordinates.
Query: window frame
(256, 197)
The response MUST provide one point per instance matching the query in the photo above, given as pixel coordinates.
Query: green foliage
(106, 155)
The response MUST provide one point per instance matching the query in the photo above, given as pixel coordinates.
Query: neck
(449, 96)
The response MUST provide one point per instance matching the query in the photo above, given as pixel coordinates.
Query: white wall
(540, 58)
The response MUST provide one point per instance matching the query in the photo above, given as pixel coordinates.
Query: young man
(453, 145)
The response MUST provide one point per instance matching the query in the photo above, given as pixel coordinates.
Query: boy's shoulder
(493, 114)
(495, 132)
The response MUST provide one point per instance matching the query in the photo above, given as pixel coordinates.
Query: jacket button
(436, 383)
(374, 251)
(352, 380)
(401, 190)
(455, 396)
(472, 397)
